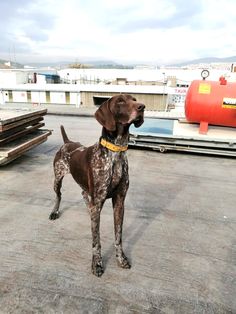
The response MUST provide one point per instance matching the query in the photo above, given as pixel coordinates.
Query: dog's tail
(64, 135)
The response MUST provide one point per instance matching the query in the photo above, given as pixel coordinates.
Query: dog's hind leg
(61, 169)
(86, 198)
(57, 188)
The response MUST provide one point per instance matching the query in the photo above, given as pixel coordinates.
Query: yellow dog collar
(113, 147)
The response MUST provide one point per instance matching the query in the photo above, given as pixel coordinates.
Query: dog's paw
(54, 216)
(97, 268)
(123, 261)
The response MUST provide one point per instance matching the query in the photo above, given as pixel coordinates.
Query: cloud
(126, 30)
(23, 23)
(158, 15)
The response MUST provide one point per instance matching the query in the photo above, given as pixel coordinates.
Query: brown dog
(101, 170)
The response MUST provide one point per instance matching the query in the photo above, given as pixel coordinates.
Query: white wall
(35, 97)
(13, 77)
(19, 96)
(38, 97)
(75, 99)
(21, 77)
(41, 79)
(3, 97)
(57, 97)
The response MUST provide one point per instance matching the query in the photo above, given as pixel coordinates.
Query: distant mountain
(104, 64)
(15, 65)
(207, 61)
(110, 64)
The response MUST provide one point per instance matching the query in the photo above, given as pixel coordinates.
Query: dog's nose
(141, 107)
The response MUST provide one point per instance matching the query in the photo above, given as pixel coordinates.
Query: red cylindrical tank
(211, 102)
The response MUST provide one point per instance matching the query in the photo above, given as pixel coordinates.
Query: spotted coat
(100, 172)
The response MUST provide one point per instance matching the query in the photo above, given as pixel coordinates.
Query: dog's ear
(105, 117)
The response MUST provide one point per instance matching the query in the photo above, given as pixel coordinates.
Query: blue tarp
(154, 126)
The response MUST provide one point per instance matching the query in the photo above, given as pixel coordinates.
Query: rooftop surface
(179, 233)
(72, 110)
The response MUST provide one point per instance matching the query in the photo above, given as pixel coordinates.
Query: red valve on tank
(222, 80)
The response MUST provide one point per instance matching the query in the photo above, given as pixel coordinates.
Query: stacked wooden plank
(19, 132)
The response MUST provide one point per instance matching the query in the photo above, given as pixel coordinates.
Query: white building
(13, 77)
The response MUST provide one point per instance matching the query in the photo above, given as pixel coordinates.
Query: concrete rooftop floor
(179, 233)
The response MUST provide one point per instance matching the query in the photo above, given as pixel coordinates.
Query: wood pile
(19, 132)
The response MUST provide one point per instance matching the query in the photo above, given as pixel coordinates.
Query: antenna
(10, 53)
(14, 54)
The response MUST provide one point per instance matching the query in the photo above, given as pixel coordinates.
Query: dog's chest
(117, 168)
(109, 169)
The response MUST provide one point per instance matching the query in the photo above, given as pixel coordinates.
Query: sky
(125, 31)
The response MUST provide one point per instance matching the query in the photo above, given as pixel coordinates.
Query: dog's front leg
(97, 267)
(118, 207)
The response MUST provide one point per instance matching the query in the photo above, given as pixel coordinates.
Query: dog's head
(122, 109)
